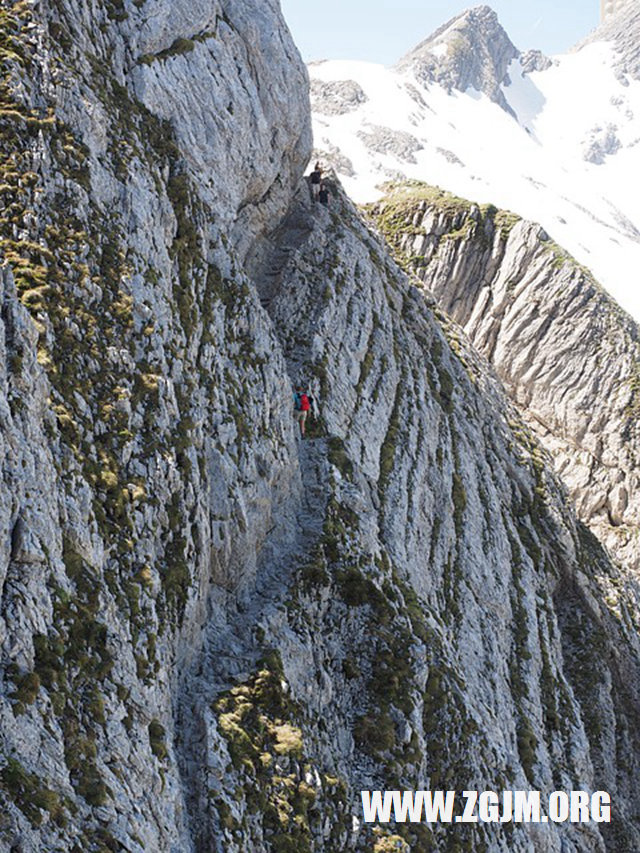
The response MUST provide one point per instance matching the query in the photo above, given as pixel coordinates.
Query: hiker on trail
(301, 405)
(323, 195)
(316, 179)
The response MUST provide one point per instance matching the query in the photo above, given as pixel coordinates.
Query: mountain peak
(472, 50)
(473, 16)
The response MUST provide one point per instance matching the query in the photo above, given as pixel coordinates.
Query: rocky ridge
(213, 635)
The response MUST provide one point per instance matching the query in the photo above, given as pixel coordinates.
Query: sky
(384, 30)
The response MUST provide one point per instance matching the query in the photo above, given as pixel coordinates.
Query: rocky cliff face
(568, 356)
(213, 634)
(131, 445)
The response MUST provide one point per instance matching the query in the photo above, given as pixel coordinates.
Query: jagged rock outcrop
(213, 635)
(336, 97)
(471, 50)
(602, 143)
(384, 140)
(567, 354)
(534, 60)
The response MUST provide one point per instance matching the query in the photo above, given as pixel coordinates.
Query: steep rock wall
(138, 471)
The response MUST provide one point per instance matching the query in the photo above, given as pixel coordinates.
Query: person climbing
(316, 179)
(301, 405)
(323, 195)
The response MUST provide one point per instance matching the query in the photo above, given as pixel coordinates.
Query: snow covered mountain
(555, 140)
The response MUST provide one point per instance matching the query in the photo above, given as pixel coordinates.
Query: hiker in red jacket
(301, 405)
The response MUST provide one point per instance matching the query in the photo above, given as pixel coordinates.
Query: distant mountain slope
(622, 31)
(554, 140)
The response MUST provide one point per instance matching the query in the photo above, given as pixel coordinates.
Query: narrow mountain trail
(250, 612)
(229, 656)
(302, 246)
(233, 653)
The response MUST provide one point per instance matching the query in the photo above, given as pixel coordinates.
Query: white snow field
(534, 165)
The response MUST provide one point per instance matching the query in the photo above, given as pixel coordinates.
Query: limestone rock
(534, 60)
(384, 140)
